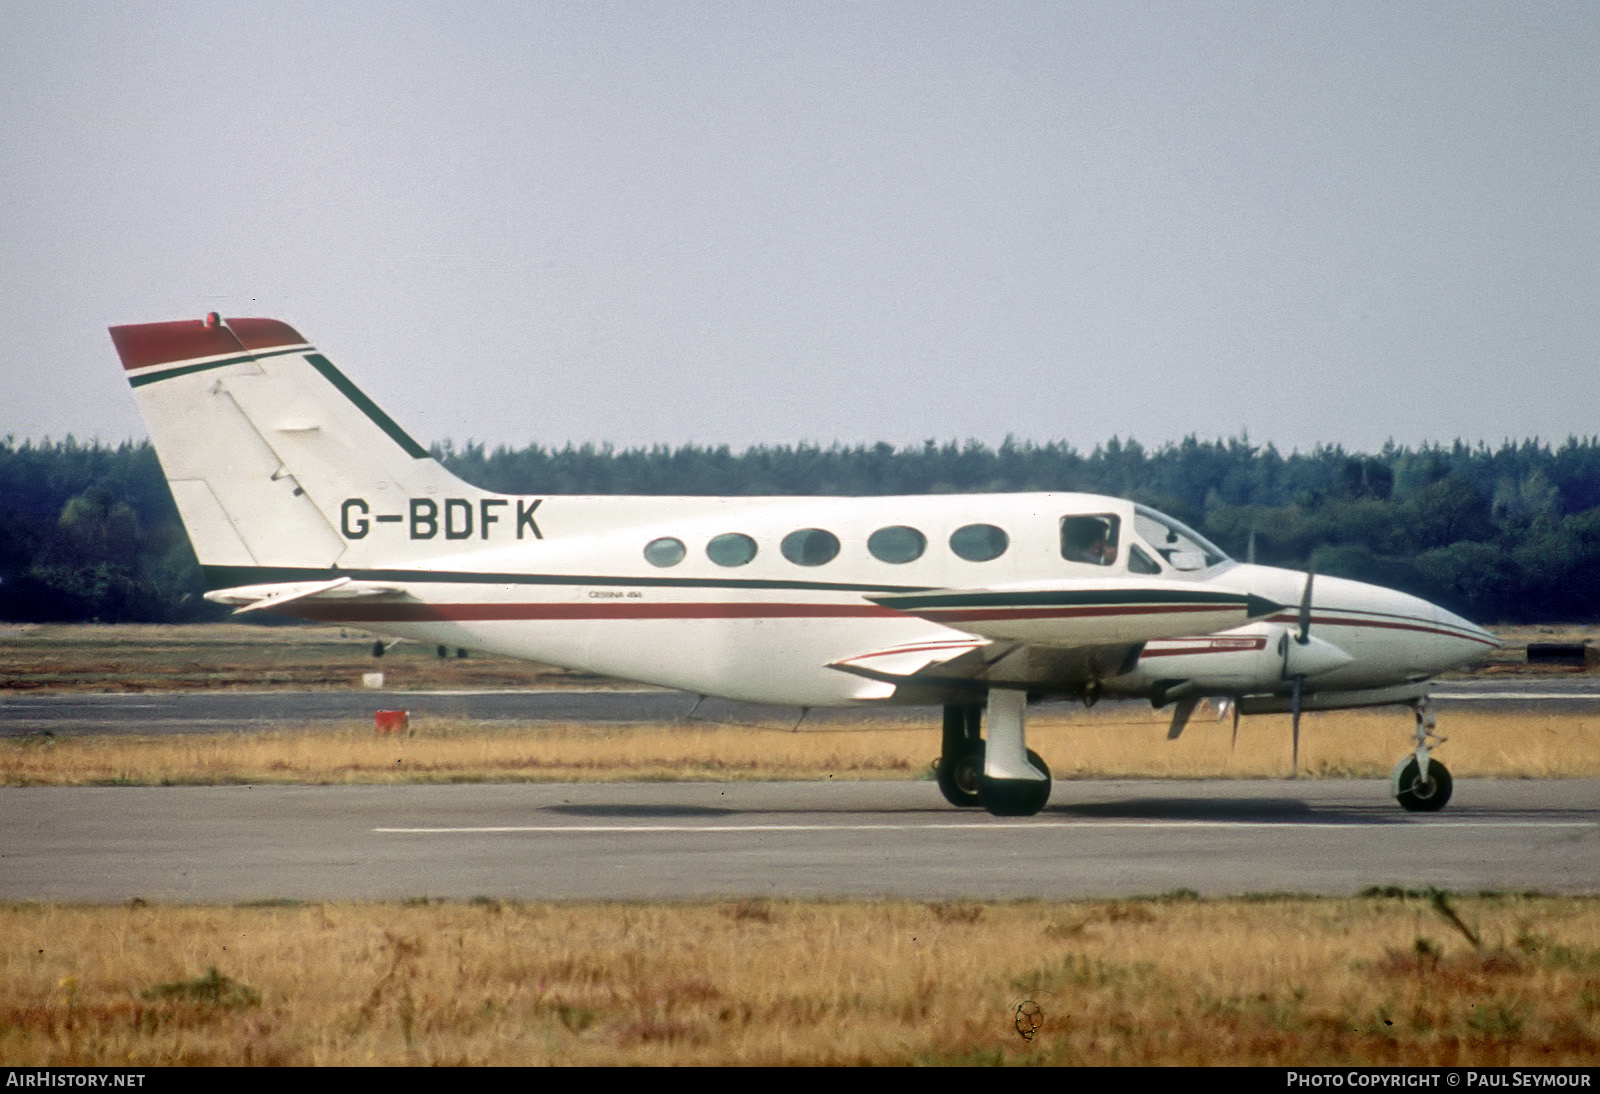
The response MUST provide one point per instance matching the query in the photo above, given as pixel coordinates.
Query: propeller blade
(1250, 549)
(1305, 603)
(1294, 716)
(1180, 716)
(1235, 742)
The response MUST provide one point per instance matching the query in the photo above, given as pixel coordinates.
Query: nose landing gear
(1422, 784)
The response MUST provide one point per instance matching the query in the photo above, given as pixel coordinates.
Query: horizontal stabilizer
(257, 598)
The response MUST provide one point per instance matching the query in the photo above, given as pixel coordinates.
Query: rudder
(261, 439)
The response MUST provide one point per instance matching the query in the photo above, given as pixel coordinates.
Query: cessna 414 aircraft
(302, 497)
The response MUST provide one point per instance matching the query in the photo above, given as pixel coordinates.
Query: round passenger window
(810, 547)
(665, 551)
(897, 543)
(731, 549)
(979, 542)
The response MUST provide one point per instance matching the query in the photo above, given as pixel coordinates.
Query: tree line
(1507, 534)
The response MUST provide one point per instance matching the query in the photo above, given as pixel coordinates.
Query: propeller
(1226, 705)
(1181, 715)
(1305, 603)
(1298, 679)
(1294, 720)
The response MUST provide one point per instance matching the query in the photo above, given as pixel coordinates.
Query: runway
(247, 711)
(677, 841)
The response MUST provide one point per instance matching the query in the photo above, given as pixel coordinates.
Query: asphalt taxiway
(247, 711)
(676, 841)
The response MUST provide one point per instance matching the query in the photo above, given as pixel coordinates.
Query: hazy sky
(752, 222)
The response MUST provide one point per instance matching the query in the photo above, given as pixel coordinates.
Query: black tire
(1417, 796)
(959, 774)
(1016, 797)
(959, 777)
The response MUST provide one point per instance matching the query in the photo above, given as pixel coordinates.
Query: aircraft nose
(1446, 640)
(1407, 636)
(1480, 639)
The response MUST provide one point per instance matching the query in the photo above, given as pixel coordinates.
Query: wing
(1103, 611)
(1060, 637)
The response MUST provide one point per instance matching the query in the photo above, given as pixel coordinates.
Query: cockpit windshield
(1181, 546)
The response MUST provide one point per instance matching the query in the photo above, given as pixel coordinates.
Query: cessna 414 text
(302, 497)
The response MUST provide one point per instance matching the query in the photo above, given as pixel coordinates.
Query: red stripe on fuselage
(1228, 645)
(1424, 628)
(434, 613)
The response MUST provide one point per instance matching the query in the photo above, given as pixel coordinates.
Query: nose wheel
(1417, 793)
(1422, 784)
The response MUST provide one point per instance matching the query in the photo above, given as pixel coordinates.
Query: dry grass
(222, 656)
(1126, 743)
(1374, 980)
(1512, 656)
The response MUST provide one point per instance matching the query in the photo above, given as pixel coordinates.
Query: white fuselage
(584, 596)
(302, 497)
(771, 630)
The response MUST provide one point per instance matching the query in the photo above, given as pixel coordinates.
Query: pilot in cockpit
(1089, 539)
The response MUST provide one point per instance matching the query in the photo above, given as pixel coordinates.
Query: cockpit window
(1141, 563)
(1090, 539)
(1180, 545)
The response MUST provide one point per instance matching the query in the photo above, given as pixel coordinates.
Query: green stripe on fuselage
(228, 577)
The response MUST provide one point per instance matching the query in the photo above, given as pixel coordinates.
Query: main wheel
(1016, 797)
(959, 774)
(1418, 795)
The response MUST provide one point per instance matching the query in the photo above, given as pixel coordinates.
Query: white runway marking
(1476, 696)
(579, 692)
(1033, 826)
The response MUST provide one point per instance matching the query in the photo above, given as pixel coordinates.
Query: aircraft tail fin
(264, 442)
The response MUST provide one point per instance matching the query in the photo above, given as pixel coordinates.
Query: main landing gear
(1422, 784)
(1001, 775)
